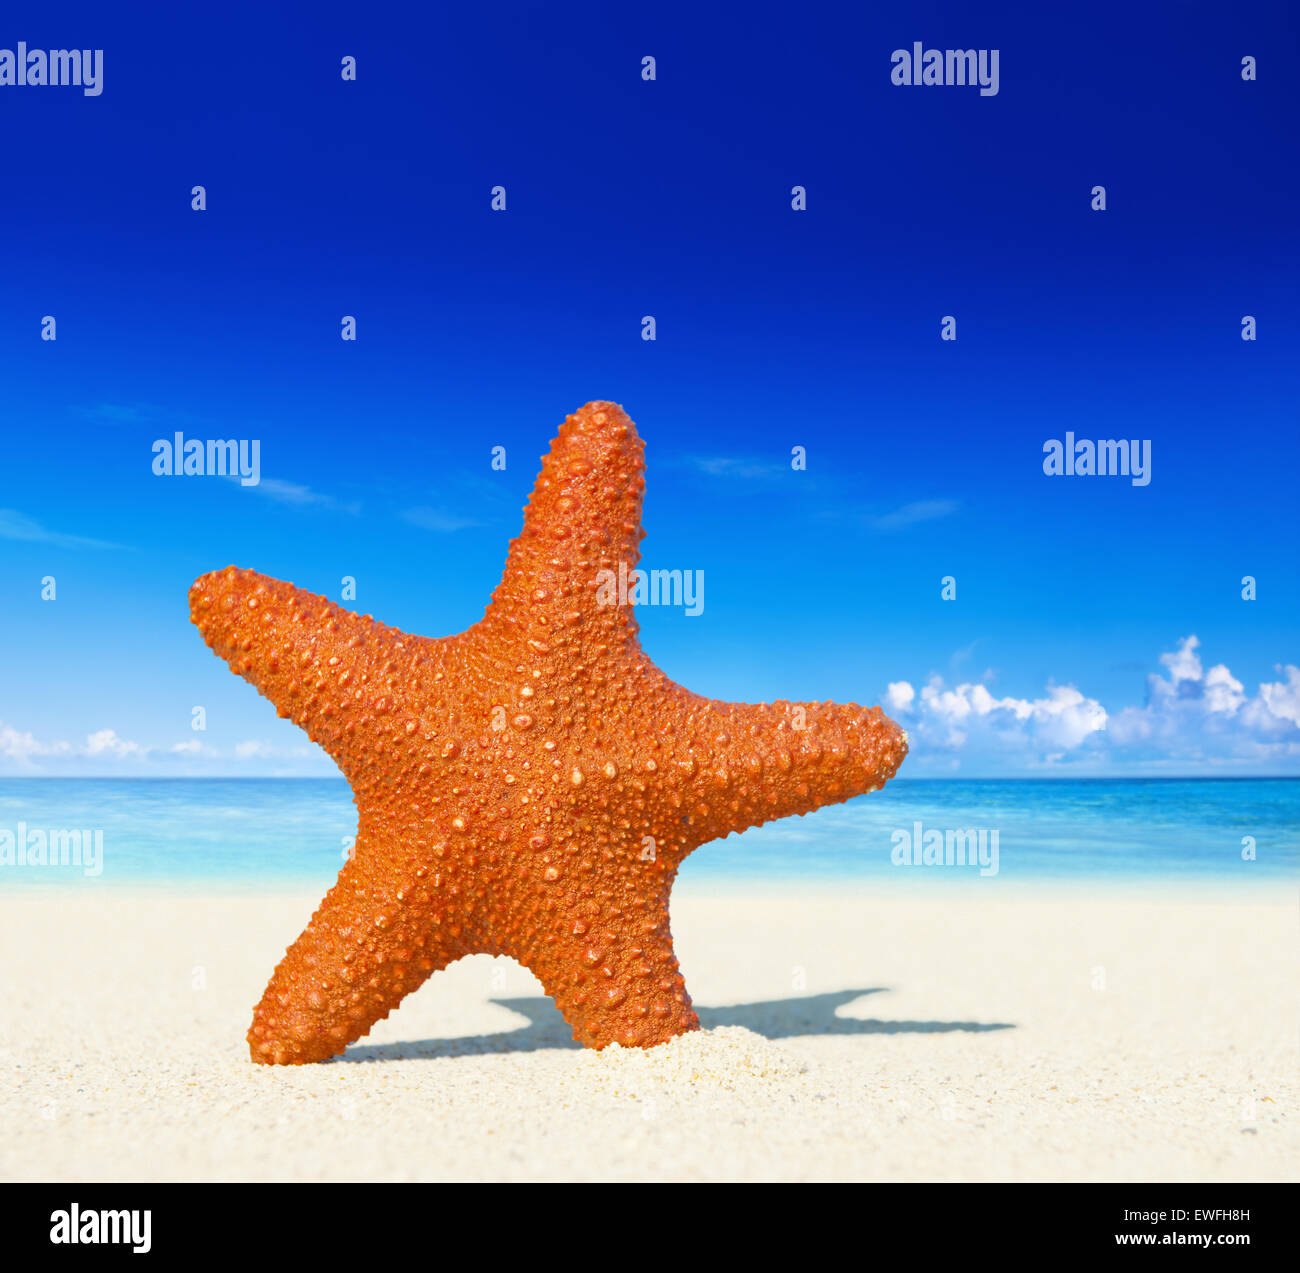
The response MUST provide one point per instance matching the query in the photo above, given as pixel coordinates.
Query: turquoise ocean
(272, 832)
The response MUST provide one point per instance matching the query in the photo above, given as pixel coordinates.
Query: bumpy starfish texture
(529, 787)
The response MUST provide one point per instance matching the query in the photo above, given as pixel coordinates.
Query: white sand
(113, 1065)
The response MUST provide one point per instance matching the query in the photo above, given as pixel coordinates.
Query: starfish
(529, 787)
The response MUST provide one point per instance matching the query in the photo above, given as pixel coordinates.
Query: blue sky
(1098, 627)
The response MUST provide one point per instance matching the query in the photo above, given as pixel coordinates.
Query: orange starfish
(529, 787)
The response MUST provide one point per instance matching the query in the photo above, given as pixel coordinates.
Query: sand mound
(725, 1059)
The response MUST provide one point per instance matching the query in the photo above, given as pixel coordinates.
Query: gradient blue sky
(775, 329)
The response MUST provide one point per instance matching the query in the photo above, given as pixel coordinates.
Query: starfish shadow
(802, 1017)
(816, 1015)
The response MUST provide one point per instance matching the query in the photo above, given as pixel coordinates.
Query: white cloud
(1200, 717)
(106, 741)
(900, 696)
(300, 496)
(1065, 717)
(23, 746)
(117, 413)
(256, 748)
(1192, 719)
(436, 519)
(924, 510)
(1183, 663)
(732, 466)
(950, 717)
(1222, 690)
(16, 525)
(1278, 703)
(106, 751)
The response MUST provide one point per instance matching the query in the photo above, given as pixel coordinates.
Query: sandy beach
(1045, 1034)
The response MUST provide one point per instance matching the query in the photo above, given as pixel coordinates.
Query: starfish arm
(324, 667)
(612, 971)
(582, 526)
(380, 933)
(757, 762)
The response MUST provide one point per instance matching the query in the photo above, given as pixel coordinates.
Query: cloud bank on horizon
(1194, 721)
